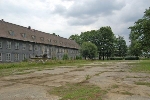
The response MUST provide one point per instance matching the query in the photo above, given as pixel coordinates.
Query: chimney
(29, 27)
(2, 20)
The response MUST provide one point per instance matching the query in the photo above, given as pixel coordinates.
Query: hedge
(132, 58)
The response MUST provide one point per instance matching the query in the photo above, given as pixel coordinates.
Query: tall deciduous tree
(120, 47)
(77, 38)
(104, 42)
(140, 34)
(88, 50)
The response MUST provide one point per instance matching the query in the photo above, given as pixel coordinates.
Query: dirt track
(116, 78)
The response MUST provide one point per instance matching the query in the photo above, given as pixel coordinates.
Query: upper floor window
(16, 45)
(8, 57)
(8, 45)
(24, 46)
(0, 56)
(11, 32)
(23, 35)
(55, 41)
(0, 44)
(60, 42)
(42, 39)
(30, 47)
(49, 40)
(33, 37)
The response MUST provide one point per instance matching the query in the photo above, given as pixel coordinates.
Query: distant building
(18, 43)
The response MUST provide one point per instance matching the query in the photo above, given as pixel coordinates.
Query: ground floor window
(8, 57)
(0, 56)
(24, 56)
(16, 57)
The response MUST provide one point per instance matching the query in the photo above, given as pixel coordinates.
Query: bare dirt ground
(115, 77)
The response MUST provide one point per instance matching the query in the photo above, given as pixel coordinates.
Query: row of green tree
(105, 44)
(101, 43)
(140, 36)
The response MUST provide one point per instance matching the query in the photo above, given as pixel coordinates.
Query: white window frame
(1, 56)
(1, 45)
(30, 47)
(8, 45)
(16, 45)
(16, 57)
(23, 46)
(8, 56)
(24, 56)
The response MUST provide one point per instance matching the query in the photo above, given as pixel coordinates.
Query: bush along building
(18, 43)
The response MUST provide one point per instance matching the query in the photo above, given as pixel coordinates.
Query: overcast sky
(68, 17)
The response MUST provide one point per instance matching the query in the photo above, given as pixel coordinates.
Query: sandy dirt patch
(115, 77)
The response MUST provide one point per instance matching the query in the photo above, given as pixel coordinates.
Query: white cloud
(67, 17)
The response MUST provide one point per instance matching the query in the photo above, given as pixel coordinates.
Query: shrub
(116, 58)
(65, 57)
(132, 58)
(78, 57)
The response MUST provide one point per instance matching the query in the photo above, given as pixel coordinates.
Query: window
(33, 37)
(11, 32)
(23, 35)
(49, 40)
(55, 41)
(61, 42)
(0, 44)
(23, 56)
(30, 47)
(8, 45)
(0, 56)
(16, 45)
(24, 46)
(16, 57)
(36, 47)
(42, 39)
(8, 57)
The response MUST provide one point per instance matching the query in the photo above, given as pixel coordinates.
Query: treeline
(101, 43)
(140, 36)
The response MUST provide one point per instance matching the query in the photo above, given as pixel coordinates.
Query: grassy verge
(11, 68)
(142, 83)
(141, 66)
(78, 91)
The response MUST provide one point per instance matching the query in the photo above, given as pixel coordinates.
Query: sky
(69, 17)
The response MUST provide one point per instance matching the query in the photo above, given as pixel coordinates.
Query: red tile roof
(17, 32)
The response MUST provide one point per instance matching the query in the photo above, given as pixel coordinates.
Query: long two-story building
(18, 43)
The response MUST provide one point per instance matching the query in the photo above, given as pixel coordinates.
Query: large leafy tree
(104, 42)
(88, 50)
(103, 38)
(120, 47)
(77, 38)
(140, 35)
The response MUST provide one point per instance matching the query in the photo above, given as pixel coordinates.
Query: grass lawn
(79, 91)
(11, 68)
(141, 66)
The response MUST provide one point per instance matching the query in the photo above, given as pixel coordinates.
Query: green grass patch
(143, 83)
(141, 66)
(78, 91)
(12, 68)
(126, 93)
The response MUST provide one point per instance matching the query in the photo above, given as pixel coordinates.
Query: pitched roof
(17, 32)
